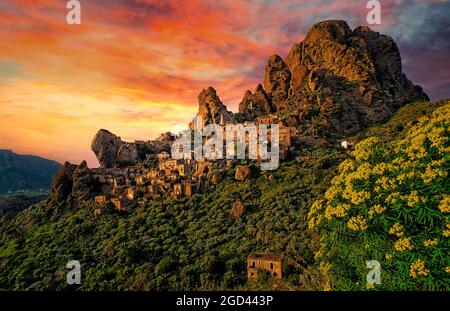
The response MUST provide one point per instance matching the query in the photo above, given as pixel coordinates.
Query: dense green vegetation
(194, 243)
(390, 203)
(10, 205)
(174, 244)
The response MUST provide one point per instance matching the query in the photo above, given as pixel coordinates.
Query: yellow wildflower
(316, 207)
(331, 193)
(429, 243)
(397, 229)
(393, 198)
(438, 138)
(339, 210)
(363, 150)
(376, 209)
(357, 223)
(346, 166)
(356, 197)
(417, 268)
(324, 269)
(413, 199)
(444, 205)
(401, 178)
(430, 174)
(403, 244)
(320, 252)
(446, 232)
(363, 171)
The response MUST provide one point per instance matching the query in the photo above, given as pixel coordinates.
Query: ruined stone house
(121, 204)
(269, 262)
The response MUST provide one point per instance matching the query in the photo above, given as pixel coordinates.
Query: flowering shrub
(390, 202)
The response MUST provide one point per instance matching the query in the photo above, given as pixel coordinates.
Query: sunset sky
(136, 67)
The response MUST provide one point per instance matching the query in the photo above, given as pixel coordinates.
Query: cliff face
(340, 79)
(71, 186)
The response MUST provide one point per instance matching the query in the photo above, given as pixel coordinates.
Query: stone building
(177, 190)
(182, 169)
(101, 200)
(163, 156)
(132, 194)
(269, 262)
(121, 204)
(140, 180)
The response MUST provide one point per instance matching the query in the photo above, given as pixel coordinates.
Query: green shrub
(391, 203)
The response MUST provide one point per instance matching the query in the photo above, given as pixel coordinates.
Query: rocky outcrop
(71, 187)
(105, 145)
(128, 154)
(111, 151)
(256, 104)
(210, 108)
(346, 79)
(82, 183)
(334, 82)
(61, 186)
(277, 81)
(242, 173)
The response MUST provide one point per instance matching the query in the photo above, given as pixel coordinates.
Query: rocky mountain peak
(255, 104)
(342, 79)
(211, 108)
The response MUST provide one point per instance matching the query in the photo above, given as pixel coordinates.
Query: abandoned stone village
(330, 86)
(160, 175)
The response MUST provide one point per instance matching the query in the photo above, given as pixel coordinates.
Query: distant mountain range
(25, 172)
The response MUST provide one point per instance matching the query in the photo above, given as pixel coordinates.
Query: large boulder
(105, 145)
(111, 151)
(216, 177)
(242, 173)
(237, 210)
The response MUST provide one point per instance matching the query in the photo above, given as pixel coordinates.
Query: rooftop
(267, 256)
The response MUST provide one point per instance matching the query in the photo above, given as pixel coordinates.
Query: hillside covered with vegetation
(25, 172)
(386, 200)
(390, 202)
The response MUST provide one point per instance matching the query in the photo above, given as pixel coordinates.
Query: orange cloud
(136, 67)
